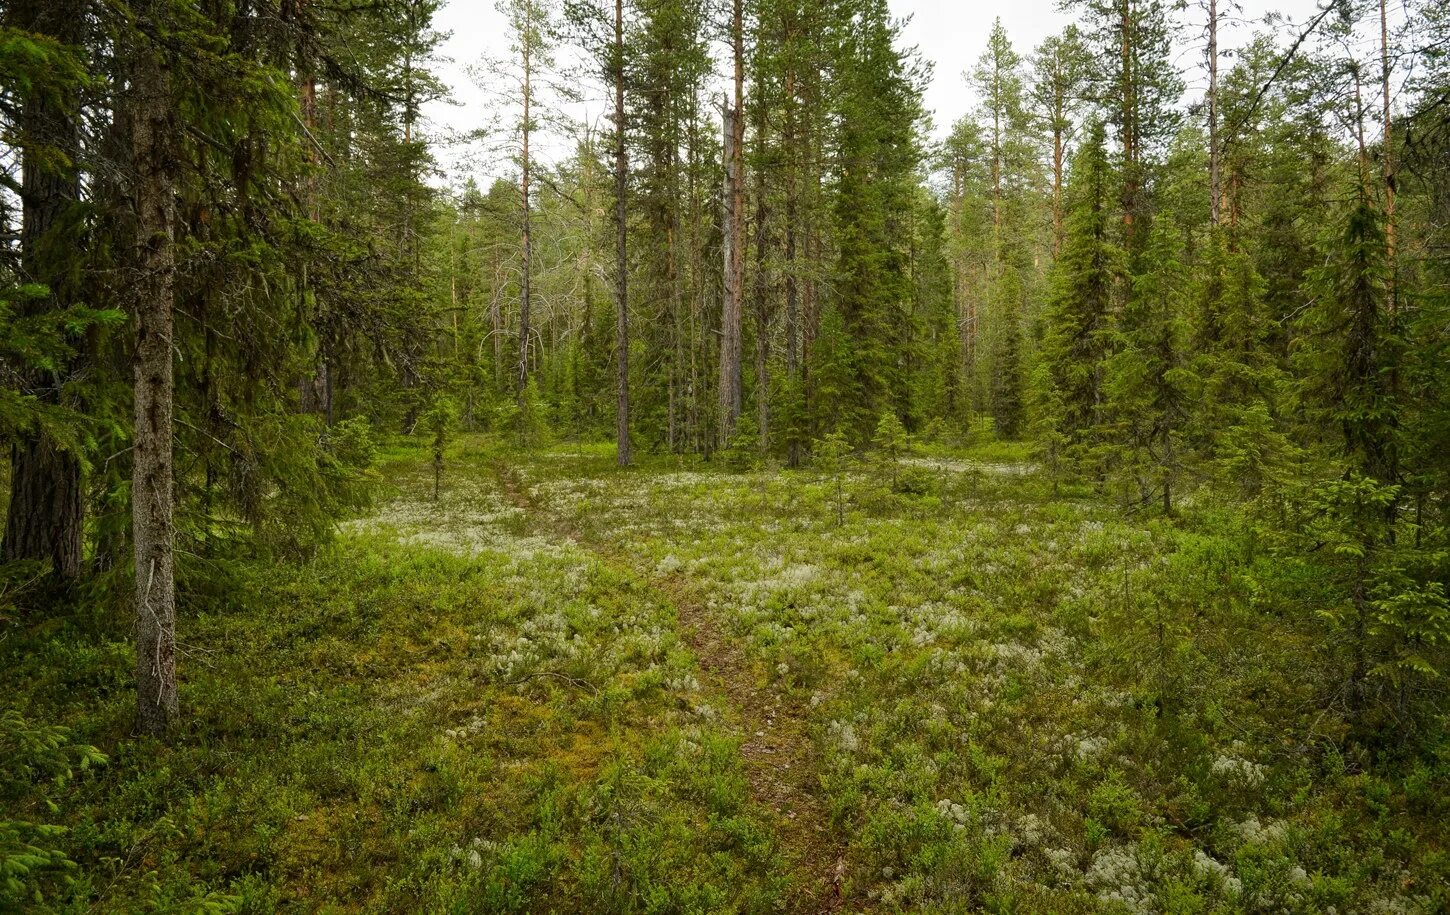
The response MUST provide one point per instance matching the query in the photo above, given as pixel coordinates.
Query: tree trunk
(1057, 167)
(730, 318)
(1129, 125)
(762, 289)
(734, 237)
(47, 508)
(495, 320)
(621, 290)
(1387, 154)
(1214, 180)
(523, 368)
(153, 129)
(792, 318)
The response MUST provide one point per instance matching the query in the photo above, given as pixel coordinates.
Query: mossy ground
(567, 687)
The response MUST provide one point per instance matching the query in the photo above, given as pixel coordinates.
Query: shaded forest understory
(685, 687)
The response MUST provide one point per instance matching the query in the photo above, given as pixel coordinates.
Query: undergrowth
(1024, 702)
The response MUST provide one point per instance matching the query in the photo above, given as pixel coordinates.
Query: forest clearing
(684, 687)
(759, 456)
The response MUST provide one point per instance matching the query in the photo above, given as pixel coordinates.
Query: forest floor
(781, 763)
(566, 687)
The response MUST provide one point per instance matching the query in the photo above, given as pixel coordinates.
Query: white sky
(949, 33)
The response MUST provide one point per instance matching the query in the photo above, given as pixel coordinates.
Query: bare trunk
(47, 507)
(792, 318)
(1214, 180)
(1129, 116)
(762, 288)
(153, 129)
(621, 291)
(495, 320)
(730, 319)
(523, 368)
(996, 178)
(1387, 155)
(730, 394)
(1057, 166)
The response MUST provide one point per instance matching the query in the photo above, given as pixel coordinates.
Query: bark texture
(734, 237)
(153, 126)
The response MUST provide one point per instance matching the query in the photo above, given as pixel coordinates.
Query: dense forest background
(229, 270)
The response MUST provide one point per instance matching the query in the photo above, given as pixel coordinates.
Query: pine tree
(531, 92)
(733, 245)
(669, 64)
(1060, 71)
(1138, 88)
(621, 251)
(971, 249)
(999, 81)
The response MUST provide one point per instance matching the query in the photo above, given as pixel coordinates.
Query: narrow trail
(781, 764)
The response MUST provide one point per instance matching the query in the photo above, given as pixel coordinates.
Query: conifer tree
(1000, 83)
(880, 106)
(154, 123)
(621, 250)
(1137, 89)
(1352, 347)
(1077, 338)
(733, 195)
(1147, 383)
(1060, 68)
(530, 91)
(891, 441)
(971, 248)
(47, 505)
(1007, 398)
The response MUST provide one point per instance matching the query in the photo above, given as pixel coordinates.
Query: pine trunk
(621, 262)
(1215, 182)
(792, 308)
(153, 129)
(525, 267)
(730, 320)
(734, 138)
(1387, 153)
(762, 289)
(1057, 169)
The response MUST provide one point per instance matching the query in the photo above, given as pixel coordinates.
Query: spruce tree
(1147, 383)
(47, 503)
(1007, 399)
(1078, 330)
(878, 152)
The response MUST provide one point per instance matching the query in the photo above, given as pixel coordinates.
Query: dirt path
(781, 763)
